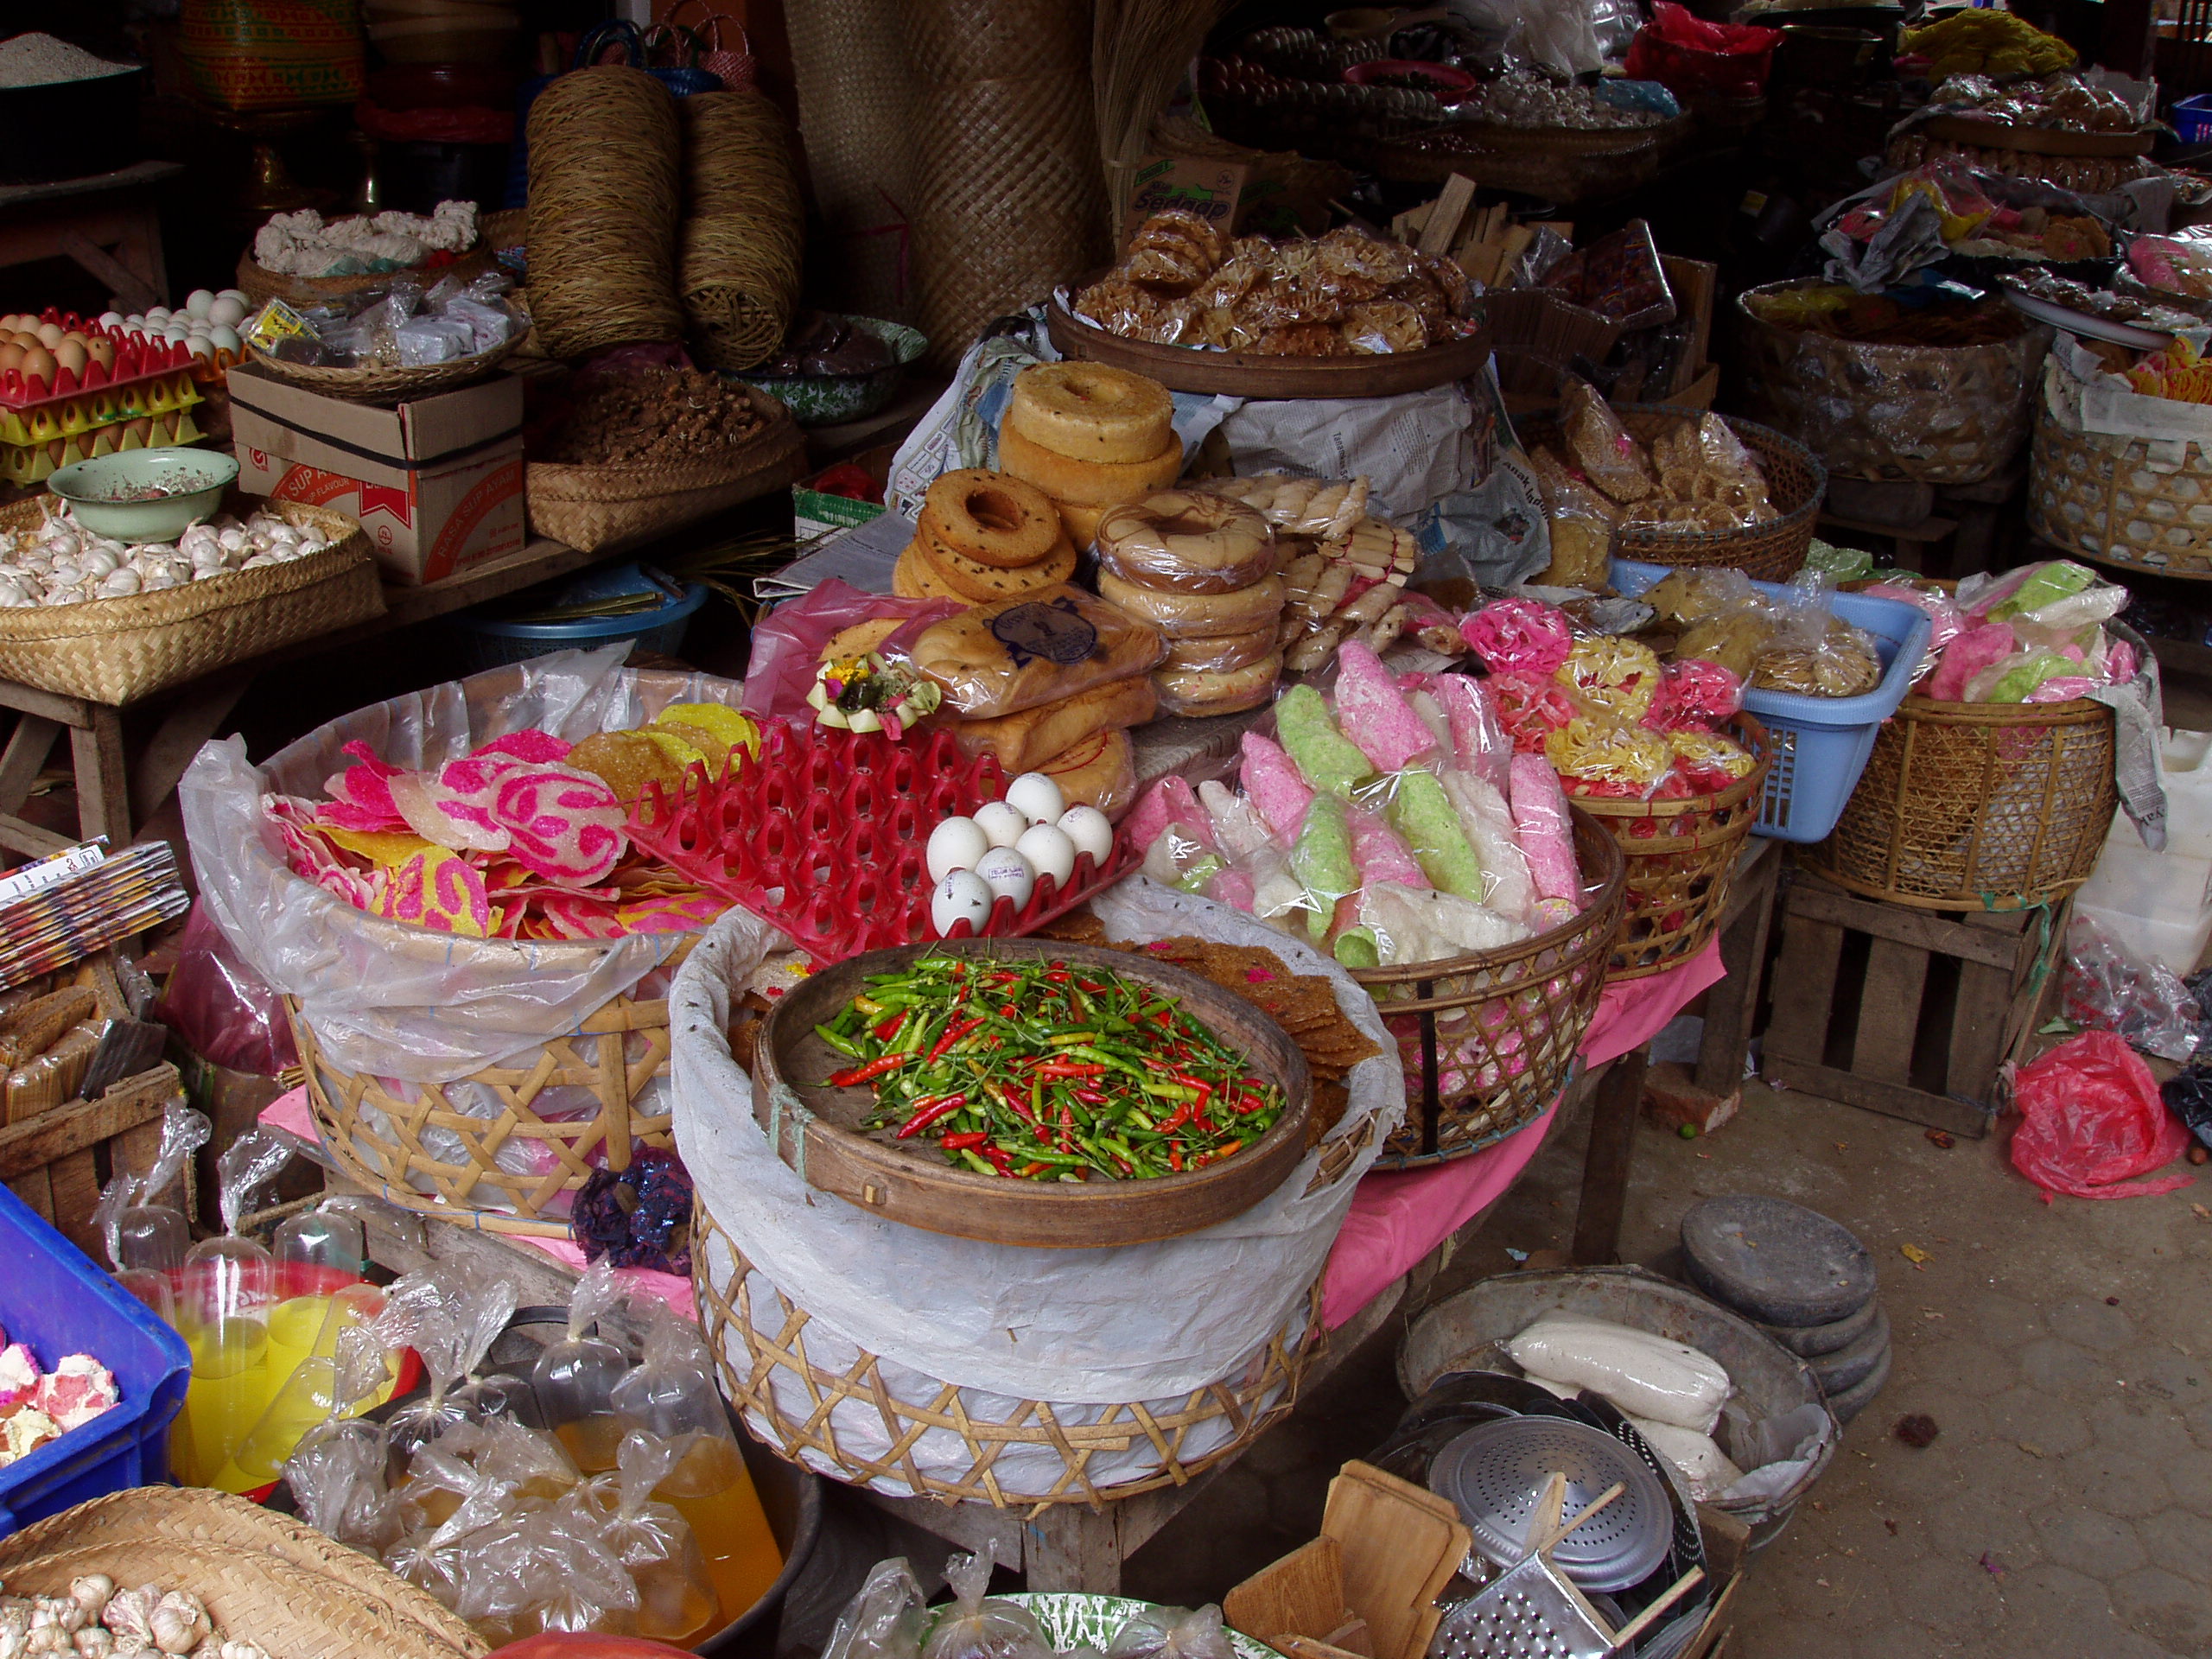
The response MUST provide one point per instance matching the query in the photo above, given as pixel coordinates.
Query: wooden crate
(58, 1161)
(1903, 1011)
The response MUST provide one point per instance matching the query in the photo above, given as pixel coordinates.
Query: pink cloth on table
(290, 1113)
(1399, 1216)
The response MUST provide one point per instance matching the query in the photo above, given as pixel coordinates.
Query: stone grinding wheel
(1810, 1341)
(1855, 1399)
(1847, 1367)
(1776, 1262)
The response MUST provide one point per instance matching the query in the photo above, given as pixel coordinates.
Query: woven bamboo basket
(1681, 857)
(744, 228)
(376, 385)
(1920, 414)
(1629, 159)
(1772, 551)
(376, 1134)
(260, 284)
(265, 1577)
(2096, 493)
(1488, 1040)
(812, 1395)
(115, 650)
(594, 507)
(1977, 805)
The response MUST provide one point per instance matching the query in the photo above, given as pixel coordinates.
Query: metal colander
(1496, 1472)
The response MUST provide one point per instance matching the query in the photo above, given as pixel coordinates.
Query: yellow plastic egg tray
(31, 463)
(83, 411)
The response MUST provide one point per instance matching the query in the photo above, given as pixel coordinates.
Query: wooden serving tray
(1252, 374)
(2034, 141)
(911, 1182)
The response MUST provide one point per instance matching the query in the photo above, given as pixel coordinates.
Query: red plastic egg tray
(137, 357)
(825, 834)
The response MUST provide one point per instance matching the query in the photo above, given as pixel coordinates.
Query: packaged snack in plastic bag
(1374, 713)
(831, 619)
(1694, 594)
(1545, 833)
(1480, 744)
(1411, 925)
(1519, 635)
(575, 1377)
(1420, 811)
(1171, 1633)
(1973, 650)
(1508, 887)
(2015, 677)
(974, 1628)
(2091, 1121)
(1187, 542)
(1644, 1375)
(1595, 755)
(1814, 653)
(1694, 692)
(1531, 707)
(676, 1601)
(337, 1477)
(1322, 860)
(886, 1620)
(1613, 461)
(2109, 987)
(1038, 648)
(1734, 639)
(1617, 676)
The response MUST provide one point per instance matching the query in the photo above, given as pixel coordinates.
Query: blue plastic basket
(491, 643)
(54, 1299)
(2192, 118)
(1820, 744)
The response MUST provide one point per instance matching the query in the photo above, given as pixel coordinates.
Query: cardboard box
(436, 483)
(1247, 192)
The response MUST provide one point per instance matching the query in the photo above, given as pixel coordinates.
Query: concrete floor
(2064, 1350)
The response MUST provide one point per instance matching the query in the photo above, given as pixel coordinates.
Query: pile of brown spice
(656, 416)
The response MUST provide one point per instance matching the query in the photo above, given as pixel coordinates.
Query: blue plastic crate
(53, 1299)
(1820, 744)
(2192, 118)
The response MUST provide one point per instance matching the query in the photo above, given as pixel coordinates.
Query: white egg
(1001, 824)
(961, 897)
(226, 313)
(1004, 870)
(238, 294)
(1091, 832)
(223, 339)
(1047, 847)
(1036, 796)
(157, 313)
(199, 302)
(112, 320)
(956, 844)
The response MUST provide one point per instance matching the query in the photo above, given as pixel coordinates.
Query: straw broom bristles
(1141, 50)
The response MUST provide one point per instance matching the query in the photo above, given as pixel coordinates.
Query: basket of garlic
(91, 617)
(161, 1571)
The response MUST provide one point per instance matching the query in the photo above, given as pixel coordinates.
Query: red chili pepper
(1164, 1017)
(1095, 988)
(1176, 1119)
(869, 1072)
(1030, 1169)
(1067, 1127)
(1089, 1096)
(1175, 1159)
(1068, 1068)
(1204, 1089)
(892, 1026)
(955, 1143)
(953, 1033)
(1009, 1012)
(997, 1157)
(930, 1112)
(1059, 976)
(1245, 1105)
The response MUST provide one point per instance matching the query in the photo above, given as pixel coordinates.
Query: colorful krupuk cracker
(1327, 759)
(1374, 713)
(1421, 812)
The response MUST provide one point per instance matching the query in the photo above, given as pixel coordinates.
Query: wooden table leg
(1073, 1547)
(1605, 1165)
(1732, 1005)
(199, 714)
(103, 780)
(25, 759)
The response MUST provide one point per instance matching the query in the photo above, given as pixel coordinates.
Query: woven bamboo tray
(1977, 805)
(1488, 1040)
(265, 1577)
(376, 1135)
(1563, 176)
(810, 1393)
(261, 285)
(594, 507)
(2096, 493)
(115, 651)
(1922, 414)
(374, 385)
(1681, 857)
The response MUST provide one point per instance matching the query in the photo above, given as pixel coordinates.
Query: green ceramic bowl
(826, 399)
(101, 492)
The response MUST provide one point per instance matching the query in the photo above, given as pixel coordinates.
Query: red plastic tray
(137, 357)
(825, 836)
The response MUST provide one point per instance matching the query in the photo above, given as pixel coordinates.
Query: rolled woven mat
(857, 84)
(743, 236)
(999, 39)
(1012, 200)
(604, 199)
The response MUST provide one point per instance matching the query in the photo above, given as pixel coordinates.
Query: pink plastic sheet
(290, 1113)
(1398, 1217)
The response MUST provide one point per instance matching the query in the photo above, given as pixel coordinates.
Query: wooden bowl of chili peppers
(1027, 1091)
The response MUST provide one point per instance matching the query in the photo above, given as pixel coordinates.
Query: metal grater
(1495, 1473)
(1527, 1611)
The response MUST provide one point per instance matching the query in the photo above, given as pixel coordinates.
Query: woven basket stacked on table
(115, 650)
(265, 1577)
(1487, 1041)
(739, 251)
(1772, 551)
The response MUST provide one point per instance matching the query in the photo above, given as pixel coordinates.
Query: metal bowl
(193, 482)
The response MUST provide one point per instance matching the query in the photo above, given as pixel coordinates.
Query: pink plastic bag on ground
(2091, 1119)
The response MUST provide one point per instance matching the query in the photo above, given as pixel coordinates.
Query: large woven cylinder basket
(1488, 1040)
(820, 1400)
(1681, 859)
(265, 1577)
(114, 650)
(2107, 496)
(1977, 805)
(416, 1145)
(1922, 414)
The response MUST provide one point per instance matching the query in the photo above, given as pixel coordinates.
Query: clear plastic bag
(1171, 1633)
(1038, 648)
(575, 1377)
(2109, 987)
(974, 1628)
(2092, 1120)
(676, 1600)
(337, 1477)
(1412, 925)
(568, 1580)
(1187, 542)
(221, 1007)
(150, 1234)
(789, 643)
(886, 1620)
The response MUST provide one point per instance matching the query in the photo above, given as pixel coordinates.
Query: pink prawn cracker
(1374, 713)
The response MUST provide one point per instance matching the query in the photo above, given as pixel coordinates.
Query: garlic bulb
(179, 1622)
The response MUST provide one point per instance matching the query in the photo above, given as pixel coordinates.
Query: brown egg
(102, 352)
(38, 364)
(11, 356)
(70, 355)
(49, 334)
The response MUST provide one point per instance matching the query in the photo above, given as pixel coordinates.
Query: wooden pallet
(58, 1161)
(1905, 1012)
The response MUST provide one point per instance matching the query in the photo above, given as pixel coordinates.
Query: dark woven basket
(1772, 551)
(1488, 1040)
(1977, 805)
(1681, 857)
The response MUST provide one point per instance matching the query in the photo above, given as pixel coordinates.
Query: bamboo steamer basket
(1488, 1040)
(115, 651)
